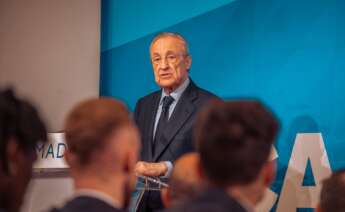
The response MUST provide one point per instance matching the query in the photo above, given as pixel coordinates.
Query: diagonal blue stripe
(127, 20)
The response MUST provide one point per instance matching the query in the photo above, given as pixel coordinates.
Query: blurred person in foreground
(234, 140)
(332, 197)
(103, 146)
(185, 182)
(21, 129)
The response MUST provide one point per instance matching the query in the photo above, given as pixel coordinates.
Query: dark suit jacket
(177, 139)
(211, 200)
(86, 204)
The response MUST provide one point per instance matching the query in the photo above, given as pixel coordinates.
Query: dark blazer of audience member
(21, 129)
(171, 63)
(103, 147)
(332, 197)
(234, 140)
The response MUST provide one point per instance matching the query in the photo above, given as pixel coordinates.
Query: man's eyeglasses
(170, 58)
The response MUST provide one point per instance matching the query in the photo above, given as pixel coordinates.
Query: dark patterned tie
(162, 122)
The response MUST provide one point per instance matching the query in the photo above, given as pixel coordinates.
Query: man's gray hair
(171, 34)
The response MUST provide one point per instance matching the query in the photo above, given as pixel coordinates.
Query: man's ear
(200, 171)
(318, 208)
(128, 161)
(269, 172)
(127, 166)
(188, 62)
(69, 158)
(165, 195)
(13, 156)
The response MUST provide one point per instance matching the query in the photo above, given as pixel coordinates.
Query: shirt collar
(97, 195)
(177, 93)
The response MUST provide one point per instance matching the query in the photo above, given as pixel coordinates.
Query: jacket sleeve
(137, 111)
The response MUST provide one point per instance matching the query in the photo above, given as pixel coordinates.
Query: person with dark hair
(234, 140)
(165, 117)
(185, 182)
(103, 147)
(332, 197)
(21, 129)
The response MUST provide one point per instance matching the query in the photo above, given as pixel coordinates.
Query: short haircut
(234, 139)
(184, 183)
(332, 197)
(90, 123)
(19, 120)
(181, 191)
(171, 34)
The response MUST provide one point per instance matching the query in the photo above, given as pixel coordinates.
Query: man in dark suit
(103, 146)
(234, 140)
(21, 129)
(165, 117)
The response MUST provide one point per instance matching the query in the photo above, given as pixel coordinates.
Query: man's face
(170, 62)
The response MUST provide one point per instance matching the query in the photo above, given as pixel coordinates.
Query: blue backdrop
(290, 54)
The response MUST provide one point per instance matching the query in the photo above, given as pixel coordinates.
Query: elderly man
(234, 140)
(103, 146)
(21, 128)
(165, 117)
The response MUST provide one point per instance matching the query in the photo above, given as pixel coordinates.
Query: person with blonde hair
(103, 146)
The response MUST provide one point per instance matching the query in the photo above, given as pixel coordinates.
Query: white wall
(49, 51)
(47, 191)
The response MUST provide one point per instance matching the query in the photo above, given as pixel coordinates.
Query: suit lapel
(151, 120)
(182, 112)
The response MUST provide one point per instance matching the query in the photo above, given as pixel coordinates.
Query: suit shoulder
(85, 203)
(207, 95)
(148, 97)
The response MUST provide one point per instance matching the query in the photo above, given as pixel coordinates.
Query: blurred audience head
(332, 197)
(103, 145)
(234, 139)
(21, 129)
(185, 182)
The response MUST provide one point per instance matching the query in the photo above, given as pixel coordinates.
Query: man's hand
(150, 169)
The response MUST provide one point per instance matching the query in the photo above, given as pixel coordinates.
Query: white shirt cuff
(170, 169)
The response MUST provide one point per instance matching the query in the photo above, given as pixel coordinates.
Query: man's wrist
(164, 168)
(168, 169)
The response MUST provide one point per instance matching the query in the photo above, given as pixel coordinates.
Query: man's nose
(164, 64)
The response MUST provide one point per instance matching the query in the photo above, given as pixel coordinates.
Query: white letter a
(293, 195)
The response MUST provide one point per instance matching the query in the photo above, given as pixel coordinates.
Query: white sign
(51, 154)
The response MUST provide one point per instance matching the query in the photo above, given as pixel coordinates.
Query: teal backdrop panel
(290, 54)
(127, 20)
